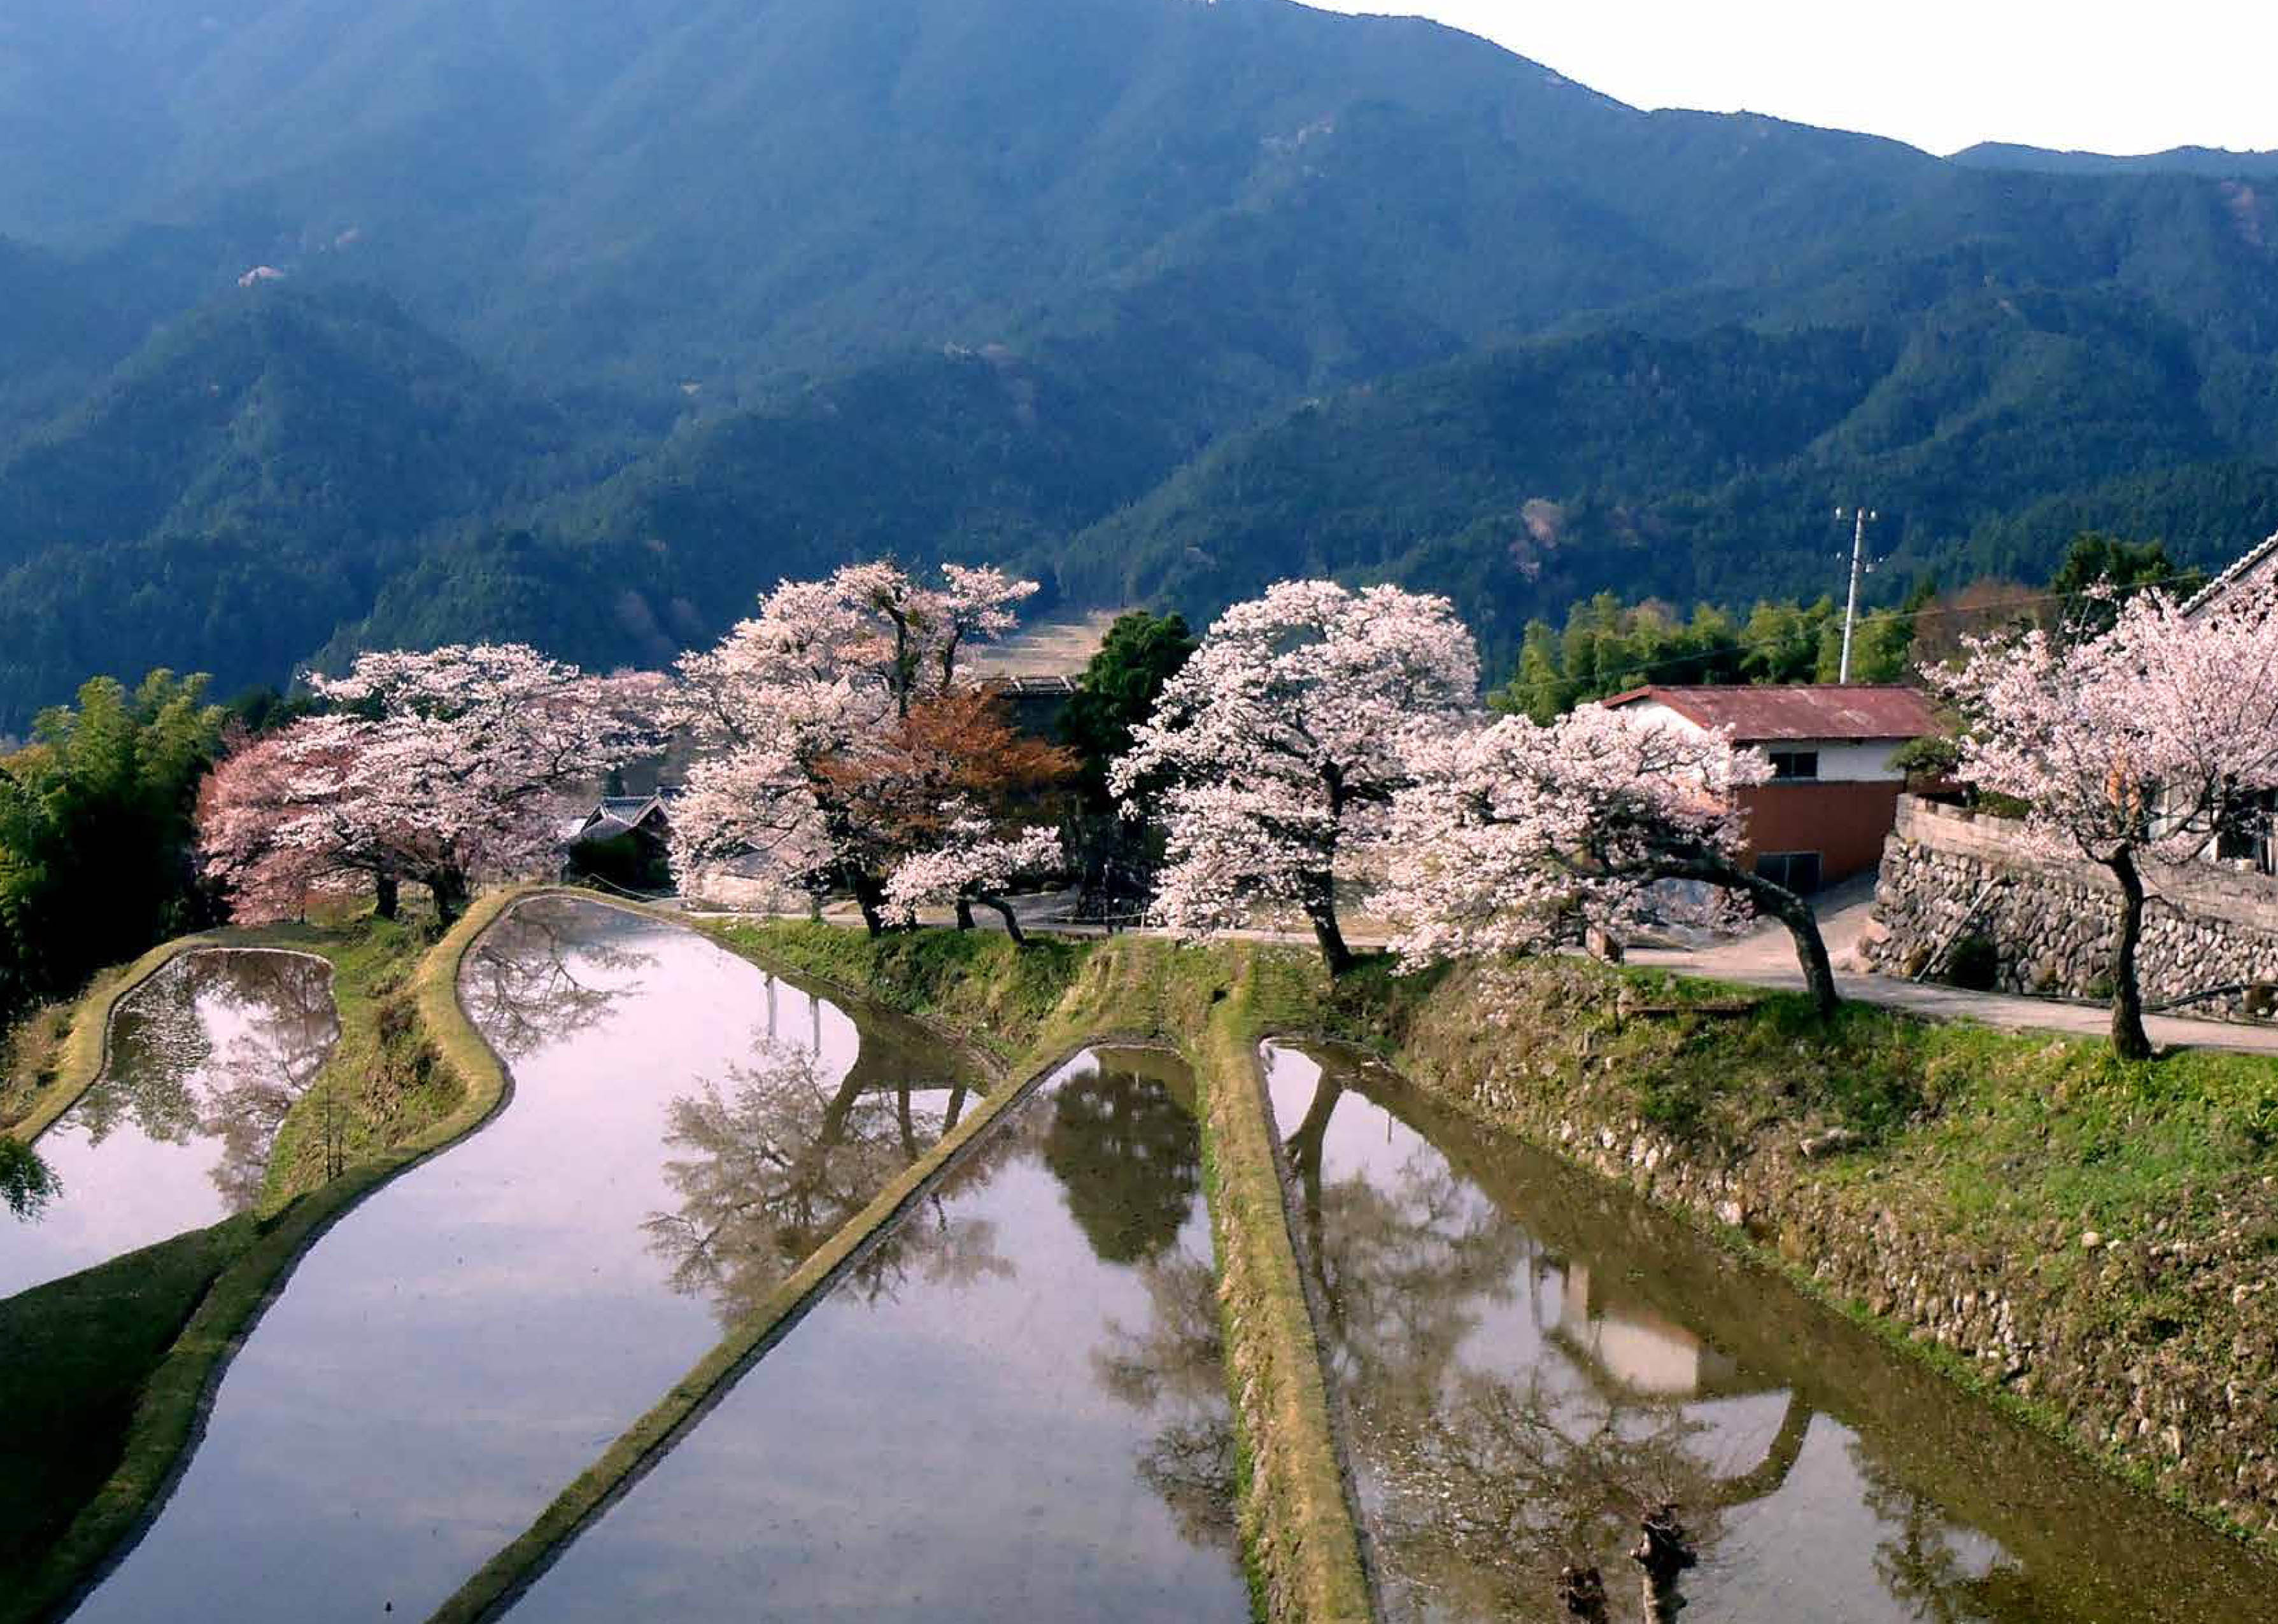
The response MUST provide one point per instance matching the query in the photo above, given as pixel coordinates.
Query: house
(1833, 796)
(624, 839)
(2249, 839)
(2258, 567)
(1033, 703)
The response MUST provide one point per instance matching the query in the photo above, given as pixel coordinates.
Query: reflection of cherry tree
(1174, 1366)
(286, 1028)
(158, 1041)
(1493, 1486)
(782, 1157)
(173, 1079)
(538, 975)
(1920, 1566)
(1496, 1483)
(1405, 1265)
(1486, 1482)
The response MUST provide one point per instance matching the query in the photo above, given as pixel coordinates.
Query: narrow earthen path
(1763, 957)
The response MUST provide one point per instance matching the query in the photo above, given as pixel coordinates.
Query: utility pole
(1859, 515)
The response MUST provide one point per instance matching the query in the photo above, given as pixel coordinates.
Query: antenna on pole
(1859, 517)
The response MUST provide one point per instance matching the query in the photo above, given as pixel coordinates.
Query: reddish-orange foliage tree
(953, 796)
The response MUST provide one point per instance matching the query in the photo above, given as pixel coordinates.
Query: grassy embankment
(1028, 1009)
(106, 1369)
(2088, 1241)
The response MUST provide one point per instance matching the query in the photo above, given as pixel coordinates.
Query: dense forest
(340, 326)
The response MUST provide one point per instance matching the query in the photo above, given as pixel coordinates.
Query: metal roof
(1769, 712)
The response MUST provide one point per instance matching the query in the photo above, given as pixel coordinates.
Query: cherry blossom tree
(1508, 834)
(2139, 745)
(973, 863)
(841, 730)
(1281, 743)
(263, 836)
(453, 765)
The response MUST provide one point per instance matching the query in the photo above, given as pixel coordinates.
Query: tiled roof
(1760, 714)
(2254, 558)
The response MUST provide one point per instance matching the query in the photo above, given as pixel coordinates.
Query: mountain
(241, 483)
(2215, 162)
(584, 323)
(1701, 467)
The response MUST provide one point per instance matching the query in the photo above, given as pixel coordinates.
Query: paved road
(1765, 958)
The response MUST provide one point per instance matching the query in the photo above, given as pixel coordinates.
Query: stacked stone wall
(1949, 875)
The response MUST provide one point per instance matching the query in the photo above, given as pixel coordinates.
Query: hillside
(595, 320)
(241, 485)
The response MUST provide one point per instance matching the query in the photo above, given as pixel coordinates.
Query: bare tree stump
(1664, 1551)
(1582, 1591)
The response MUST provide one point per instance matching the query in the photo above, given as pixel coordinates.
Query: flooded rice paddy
(1011, 1402)
(1013, 1408)
(1527, 1360)
(205, 1059)
(681, 1130)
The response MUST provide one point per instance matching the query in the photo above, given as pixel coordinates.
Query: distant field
(1050, 648)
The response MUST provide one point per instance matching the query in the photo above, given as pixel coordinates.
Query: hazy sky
(1939, 73)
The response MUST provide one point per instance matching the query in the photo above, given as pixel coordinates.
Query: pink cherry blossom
(2141, 744)
(453, 767)
(785, 707)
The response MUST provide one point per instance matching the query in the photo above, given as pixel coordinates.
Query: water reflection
(778, 1159)
(459, 1345)
(1169, 1368)
(1129, 1161)
(546, 973)
(207, 1057)
(1041, 1438)
(1533, 1366)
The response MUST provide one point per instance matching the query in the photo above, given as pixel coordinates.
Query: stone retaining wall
(1949, 874)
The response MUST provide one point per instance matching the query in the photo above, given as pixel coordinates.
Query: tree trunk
(1771, 1475)
(1306, 1150)
(964, 914)
(1321, 910)
(2129, 1040)
(1802, 923)
(385, 898)
(867, 896)
(1004, 911)
(449, 887)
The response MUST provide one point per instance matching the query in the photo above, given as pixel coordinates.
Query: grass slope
(2089, 1240)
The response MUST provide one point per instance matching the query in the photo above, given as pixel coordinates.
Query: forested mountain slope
(590, 320)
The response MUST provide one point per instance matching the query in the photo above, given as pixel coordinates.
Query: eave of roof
(1773, 712)
(2215, 588)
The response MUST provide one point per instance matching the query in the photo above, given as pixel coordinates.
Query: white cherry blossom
(1280, 745)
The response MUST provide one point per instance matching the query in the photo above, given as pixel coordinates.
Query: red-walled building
(1834, 794)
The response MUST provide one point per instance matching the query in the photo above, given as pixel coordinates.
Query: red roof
(1762, 714)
